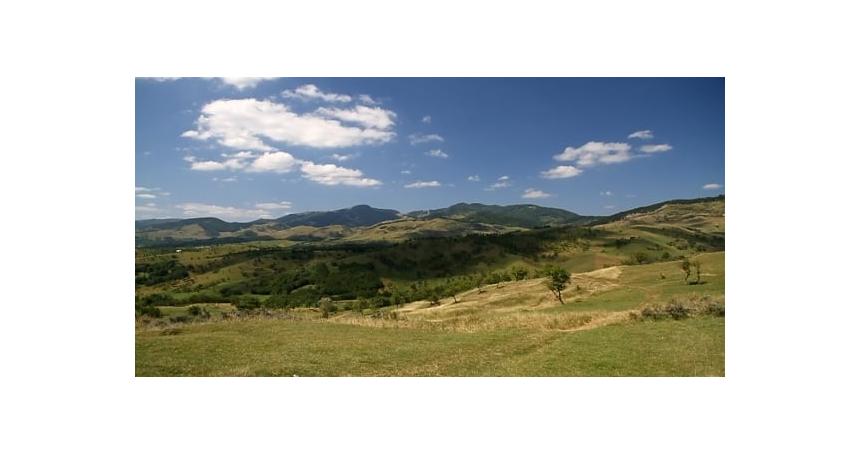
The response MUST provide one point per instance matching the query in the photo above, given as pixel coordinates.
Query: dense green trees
(149, 273)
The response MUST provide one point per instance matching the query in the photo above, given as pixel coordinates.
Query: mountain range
(363, 222)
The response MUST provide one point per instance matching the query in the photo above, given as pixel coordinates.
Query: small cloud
(420, 184)
(501, 182)
(606, 193)
(242, 83)
(367, 99)
(309, 92)
(422, 138)
(196, 209)
(609, 207)
(406, 172)
(436, 153)
(280, 207)
(532, 193)
(149, 193)
(474, 178)
(560, 172)
(712, 186)
(426, 119)
(594, 153)
(225, 179)
(342, 157)
(655, 148)
(644, 134)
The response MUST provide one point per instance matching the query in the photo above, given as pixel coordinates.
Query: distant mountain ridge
(363, 223)
(360, 215)
(519, 215)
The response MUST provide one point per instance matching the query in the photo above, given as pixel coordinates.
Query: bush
(682, 308)
(147, 310)
(715, 309)
(198, 311)
(327, 307)
(677, 311)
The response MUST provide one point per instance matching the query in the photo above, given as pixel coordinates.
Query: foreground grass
(692, 347)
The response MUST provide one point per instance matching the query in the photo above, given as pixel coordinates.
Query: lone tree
(557, 280)
(685, 266)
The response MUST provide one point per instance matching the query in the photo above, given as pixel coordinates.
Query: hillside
(358, 223)
(360, 215)
(439, 286)
(522, 215)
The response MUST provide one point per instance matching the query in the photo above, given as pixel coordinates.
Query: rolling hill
(520, 215)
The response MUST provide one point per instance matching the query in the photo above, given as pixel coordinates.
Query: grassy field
(692, 347)
(505, 329)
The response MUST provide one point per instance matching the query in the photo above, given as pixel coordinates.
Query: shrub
(715, 309)
(147, 310)
(198, 311)
(327, 307)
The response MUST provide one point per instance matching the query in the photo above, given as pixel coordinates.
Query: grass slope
(510, 329)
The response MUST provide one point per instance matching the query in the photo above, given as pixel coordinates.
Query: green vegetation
(556, 300)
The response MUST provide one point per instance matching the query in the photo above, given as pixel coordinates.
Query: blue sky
(246, 148)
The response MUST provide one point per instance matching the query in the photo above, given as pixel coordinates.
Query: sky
(241, 149)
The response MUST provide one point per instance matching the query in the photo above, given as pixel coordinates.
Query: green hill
(360, 215)
(520, 215)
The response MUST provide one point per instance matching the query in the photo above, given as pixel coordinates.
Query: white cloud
(474, 178)
(501, 182)
(284, 205)
(242, 83)
(532, 193)
(561, 172)
(311, 92)
(208, 166)
(149, 193)
(655, 148)
(244, 123)
(420, 184)
(280, 208)
(148, 210)
(426, 119)
(196, 209)
(644, 134)
(342, 157)
(369, 117)
(283, 162)
(367, 99)
(329, 174)
(594, 153)
(422, 138)
(225, 179)
(606, 193)
(277, 162)
(436, 153)
(406, 172)
(712, 186)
